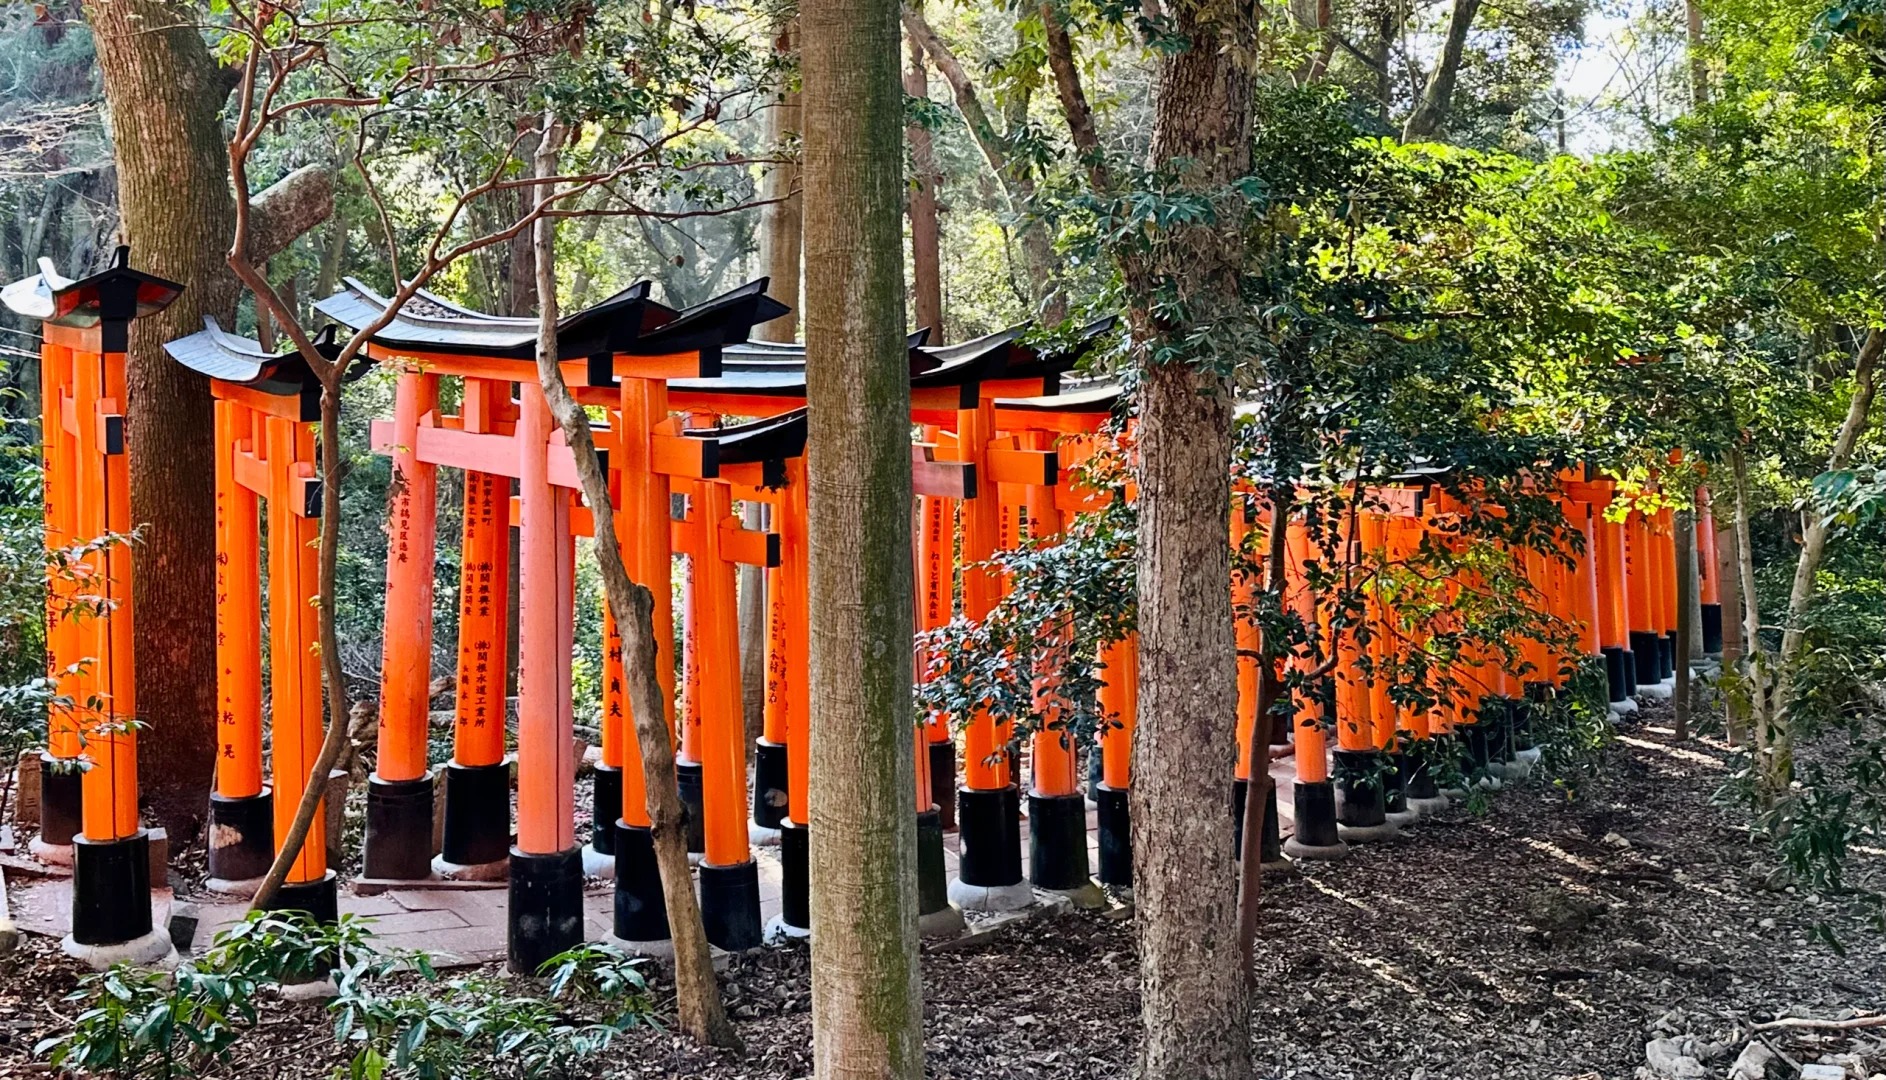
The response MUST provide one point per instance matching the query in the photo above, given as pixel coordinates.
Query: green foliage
(471, 1027)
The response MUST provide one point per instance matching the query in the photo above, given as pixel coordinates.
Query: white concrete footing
(659, 950)
(1315, 852)
(991, 897)
(244, 888)
(312, 990)
(760, 836)
(1367, 834)
(50, 854)
(491, 871)
(1401, 819)
(1662, 690)
(596, 864)
(1086, 897)
(946, 923)
(777, 929)
(1624, 708)
(1435, 805)
(151, 950)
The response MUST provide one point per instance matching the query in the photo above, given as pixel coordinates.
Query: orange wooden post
(1247, 640)
(1057, 812)
(770, 771)
(688, 754)
(1708, 574)
(242, 835)
(295, 697)
(1639, 581)
(730, 883)
(476, 840)
(1614, 614)
(1314, 794)
(546, 863)
(641, 915)
(1666, 585)
(1119, 707)
(795, 913)
(989, 875)
(61, 780)
(936, 601)
(398, 841)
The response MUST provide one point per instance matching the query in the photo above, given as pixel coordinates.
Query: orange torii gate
(628, 336)
(89, 808)
(267, 406)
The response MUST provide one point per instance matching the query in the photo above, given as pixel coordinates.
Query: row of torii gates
(1000, 434)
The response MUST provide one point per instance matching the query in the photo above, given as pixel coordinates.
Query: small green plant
(152, 1024)
(475, 1027)
(140, 1023)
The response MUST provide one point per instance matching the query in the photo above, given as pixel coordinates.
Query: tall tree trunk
(1438, 95)
(697, 997)
(1734, 690)
(1699, 66)
(780, 246)
(1815, 534)
(781, 221)
(165, 96)
(867, 997)
(1194, 999)
(926, 241)
(1685, 523)
(1018, 187)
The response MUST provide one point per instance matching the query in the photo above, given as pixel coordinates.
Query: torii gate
(627, 336)
(89, 815)
(267, 406)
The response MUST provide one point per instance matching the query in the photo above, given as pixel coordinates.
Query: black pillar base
(1497, 715)
(399, 829)
(1418, 774)
(1533, 708)
(1395, 785)
(546, 916)
(111, 889)
(795, 876)
(1359, 777)
(1316, 814)
(641, 908)
(605, 808)
(1617, 672)
(1057, 841)
(1116, 837)
(989, 837)
(477, 814)
(1646, 667)
(61, 811)
(933, 878)
(1271, 846)
(943, 782)
(319, 898)
(1476, 745)
(693, 804)
(1712, 628)
(770, 777)
(1666, 654)
(241, 836)
(730, 905)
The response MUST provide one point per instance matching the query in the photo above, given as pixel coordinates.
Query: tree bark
(164, 97)
(1074, 105)
(1685, 524)
(697, 996)
(1194, 999)
(1734, 692)
(1438, 95)
(1699, 66)
(1018, 187)
(926, 242)
(781, 222)
(1814, 539)
(867, 998)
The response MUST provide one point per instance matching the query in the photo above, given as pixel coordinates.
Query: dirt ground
(1548, 938)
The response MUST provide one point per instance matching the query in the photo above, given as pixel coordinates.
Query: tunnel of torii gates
(700, 419)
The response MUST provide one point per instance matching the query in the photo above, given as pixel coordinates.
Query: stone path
(460, 926)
